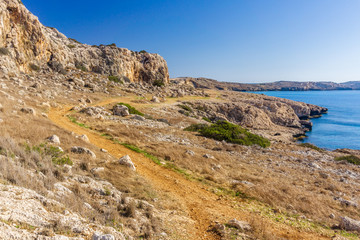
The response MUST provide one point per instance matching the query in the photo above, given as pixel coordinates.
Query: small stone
(120, 110)
(54, 139)
(84, 138)
(103, 150)
(97, 170)
(189, 152)
(332, 216)
(208, 156)
(126, 161)
(314, 165)
(98, 236)
(28, 111)
(155, 99)
(82, 150)
(138, 117)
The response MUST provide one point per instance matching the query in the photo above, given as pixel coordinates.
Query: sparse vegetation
(206, 119)
(71, 46)
(350, 159)
(143, 51)
(229, 132)
(159, 83)
(81, 67)
(312, 146)
(74, 120)
(34, 67)
(57, 155)
(185, 107)
(115, 79)
(132, 110)
(4, 51)
(74, 40)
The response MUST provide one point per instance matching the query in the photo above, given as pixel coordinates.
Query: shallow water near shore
(340, 127)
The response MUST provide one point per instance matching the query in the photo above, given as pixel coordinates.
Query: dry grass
(282, 186)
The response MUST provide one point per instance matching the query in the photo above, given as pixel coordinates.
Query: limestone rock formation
(28, 46)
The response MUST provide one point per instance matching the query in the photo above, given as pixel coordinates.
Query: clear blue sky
(228, 40)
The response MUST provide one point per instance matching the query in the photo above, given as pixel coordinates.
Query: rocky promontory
(206, 83)
(28, 46)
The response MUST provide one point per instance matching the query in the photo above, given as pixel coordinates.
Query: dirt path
(202, 206)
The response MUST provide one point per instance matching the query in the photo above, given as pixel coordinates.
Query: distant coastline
(205, 83)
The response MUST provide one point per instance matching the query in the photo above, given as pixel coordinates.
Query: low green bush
(350, 159)
(206, 119)
(312, 146)
(71, 46)
(223, 130)
(132, 110)
(195, 127)
(143, 51)
(57, 156)
(158, 83)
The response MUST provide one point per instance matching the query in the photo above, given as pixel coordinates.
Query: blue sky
(228, 40)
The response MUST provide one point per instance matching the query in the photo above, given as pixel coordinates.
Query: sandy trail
(202, 206)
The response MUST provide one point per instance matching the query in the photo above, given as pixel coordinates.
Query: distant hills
(206, 83)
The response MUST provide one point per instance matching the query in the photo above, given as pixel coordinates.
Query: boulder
(126, 161)
(120, 110)
(349, 224)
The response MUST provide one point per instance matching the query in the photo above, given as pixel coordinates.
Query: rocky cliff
(26, 45)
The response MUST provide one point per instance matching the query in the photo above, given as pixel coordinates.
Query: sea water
(340, 127)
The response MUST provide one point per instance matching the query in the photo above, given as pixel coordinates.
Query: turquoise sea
(340, 127)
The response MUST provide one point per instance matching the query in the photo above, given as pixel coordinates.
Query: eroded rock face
(30, 46)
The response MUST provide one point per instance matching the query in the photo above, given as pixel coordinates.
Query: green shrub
(115, 79)
(206, 119)
(223, 130)
(159, 83)
(34, 67)
(195, 127)
(4, 51)
(350, 158)
(185, 107)
(132, 110)
(71, 46)
(57, 156)
(112, 45)
(143, 51)
(312, 146)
